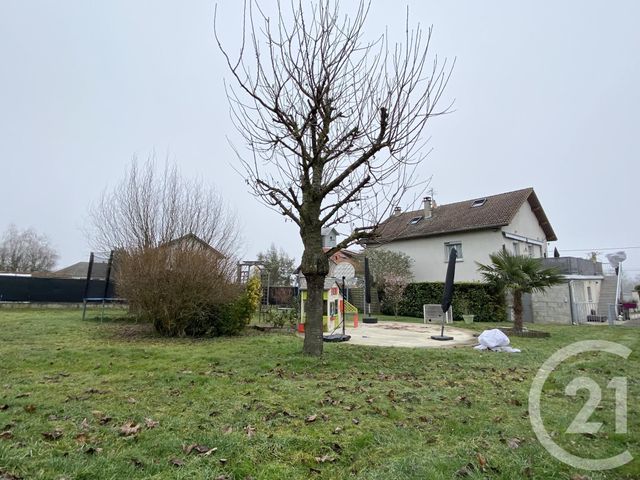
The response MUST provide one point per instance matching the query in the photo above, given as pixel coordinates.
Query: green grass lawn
(271, 413)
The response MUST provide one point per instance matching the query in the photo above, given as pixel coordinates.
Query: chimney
(397, 211)
(427, 207)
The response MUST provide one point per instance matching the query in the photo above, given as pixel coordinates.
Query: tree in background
(278, 264)
(391, 273)
(175, 241)
(153, 206)
(334, 124)
(628, 283)
(518, 274)
(26, 251)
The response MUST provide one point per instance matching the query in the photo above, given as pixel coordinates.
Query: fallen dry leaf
(54, 435)
(337, 430)
(227, 430)
(136, 463)
(30, 408)
(82, 438)
(129, 429)
(150, 423)
(325, 458)
(92, 450)
(96, 391)
(311, 418)
(131, 400)
(84, 425)
(514, 443)
(4, 406)
(577, 476)
(355, 421)
(466, 471)
(176, 462)
(105, 420)
(250, 431)
(8, 435)
(199, 449)
(482, 462)
(23, 395)
(8, 476)
(223, 461)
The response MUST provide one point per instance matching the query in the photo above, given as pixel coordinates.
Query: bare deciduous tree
(176, 243)
(334, 123)
(26, 251)
(148, 209)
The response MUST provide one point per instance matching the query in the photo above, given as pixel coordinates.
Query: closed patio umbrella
(447, 295)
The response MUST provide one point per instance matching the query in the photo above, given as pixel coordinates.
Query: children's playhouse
(332, 307)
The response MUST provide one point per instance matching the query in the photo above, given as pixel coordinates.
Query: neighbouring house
(475, 228)
(191, 241)
(79, 271)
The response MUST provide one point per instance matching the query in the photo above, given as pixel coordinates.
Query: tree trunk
(517, 311)
(315, 267)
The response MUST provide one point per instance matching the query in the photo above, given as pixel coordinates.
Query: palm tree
(518, 274)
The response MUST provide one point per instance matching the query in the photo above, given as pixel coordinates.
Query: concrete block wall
(552, 306)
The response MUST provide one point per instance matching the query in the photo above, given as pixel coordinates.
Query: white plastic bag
(495, 340)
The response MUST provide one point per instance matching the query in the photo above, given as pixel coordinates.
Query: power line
(596, 249)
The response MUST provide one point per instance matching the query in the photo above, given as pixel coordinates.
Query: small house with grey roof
(476, 228)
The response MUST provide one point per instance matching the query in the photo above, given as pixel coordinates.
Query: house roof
(193, 238)
(80, 269)
(497, 211)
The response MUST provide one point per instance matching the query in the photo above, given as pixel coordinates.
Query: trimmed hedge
(484, 301)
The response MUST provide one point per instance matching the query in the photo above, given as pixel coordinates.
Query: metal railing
(587, 312)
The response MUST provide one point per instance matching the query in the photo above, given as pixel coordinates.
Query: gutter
(521, 238)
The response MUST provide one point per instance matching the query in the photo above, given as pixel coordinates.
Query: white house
(475, 228)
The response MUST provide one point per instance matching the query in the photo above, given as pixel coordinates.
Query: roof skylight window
(415, 220)
(478, 203)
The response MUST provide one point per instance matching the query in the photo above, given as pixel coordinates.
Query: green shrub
(483, 300)
(182, 292)
(220, 319)
(281, 317)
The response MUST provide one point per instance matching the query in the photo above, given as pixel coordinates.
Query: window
(589, 295)
(531, 249)
(479, 202)
(516, 248)
(415, 220)
(447, 250)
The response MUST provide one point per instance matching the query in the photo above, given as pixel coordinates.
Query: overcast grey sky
(546, 95)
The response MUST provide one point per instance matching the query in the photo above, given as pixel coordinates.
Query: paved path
(402, 334)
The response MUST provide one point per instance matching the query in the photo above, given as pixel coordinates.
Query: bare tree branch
(333, 122)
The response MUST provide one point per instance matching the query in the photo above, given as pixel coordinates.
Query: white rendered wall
(429, 254)
(525, 223)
